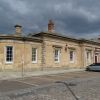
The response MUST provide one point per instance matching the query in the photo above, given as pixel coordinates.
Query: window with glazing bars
(9, 54)
(34, 55)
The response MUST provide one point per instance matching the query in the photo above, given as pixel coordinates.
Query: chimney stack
(50, 26)
(18, 29)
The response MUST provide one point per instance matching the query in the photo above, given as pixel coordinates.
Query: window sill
(72, 62)
(57, 62)
(8, 62)
(35, 62)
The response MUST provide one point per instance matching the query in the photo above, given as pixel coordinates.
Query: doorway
(96, 59)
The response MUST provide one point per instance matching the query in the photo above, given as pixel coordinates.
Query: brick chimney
(18, 29)
(50, 26)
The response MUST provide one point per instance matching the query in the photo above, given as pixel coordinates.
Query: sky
(78, 18)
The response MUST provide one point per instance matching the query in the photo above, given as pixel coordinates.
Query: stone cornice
(37, 38)
(20, 38)
(55, 35)
(89, 42)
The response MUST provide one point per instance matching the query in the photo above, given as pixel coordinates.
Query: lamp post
(22, 70)
(23, 58)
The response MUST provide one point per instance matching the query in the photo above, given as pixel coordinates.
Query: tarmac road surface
(28, 82)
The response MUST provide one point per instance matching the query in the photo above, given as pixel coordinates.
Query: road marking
(58, 76)
(45, 78)
(26, 83)
(61, 77)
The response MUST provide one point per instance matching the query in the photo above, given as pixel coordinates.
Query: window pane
(71, 55)
(34, 54)
(9, 54)
(56, 55)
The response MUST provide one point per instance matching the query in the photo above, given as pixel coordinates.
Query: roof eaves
(23, 38)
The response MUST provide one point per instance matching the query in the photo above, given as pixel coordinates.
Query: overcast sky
(71, 17)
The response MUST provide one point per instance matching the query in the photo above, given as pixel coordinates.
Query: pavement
(79, 85)
(63, 86)
(5, 75)
(36, 81)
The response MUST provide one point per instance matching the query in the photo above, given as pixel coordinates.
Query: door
(96, 59)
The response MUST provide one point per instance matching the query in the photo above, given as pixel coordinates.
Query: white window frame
(5, 54)
(35, 61)
(58, 57)
(73, 59)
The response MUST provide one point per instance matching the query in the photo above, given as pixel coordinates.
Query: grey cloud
(70, 16)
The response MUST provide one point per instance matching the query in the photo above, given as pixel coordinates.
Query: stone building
(46, 50)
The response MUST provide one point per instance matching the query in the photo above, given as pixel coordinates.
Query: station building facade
(45, 50)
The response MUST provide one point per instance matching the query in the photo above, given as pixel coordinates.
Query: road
(35, 81)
